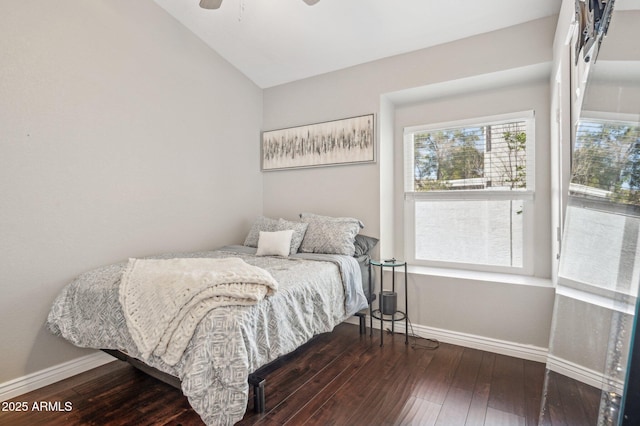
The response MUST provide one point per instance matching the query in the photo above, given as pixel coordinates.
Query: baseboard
(533, 353)
(503, 347)
(39, 379)
(586, 375)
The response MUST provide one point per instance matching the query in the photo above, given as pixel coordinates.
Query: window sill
(494, 277)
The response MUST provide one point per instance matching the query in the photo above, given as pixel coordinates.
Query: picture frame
(330, 143)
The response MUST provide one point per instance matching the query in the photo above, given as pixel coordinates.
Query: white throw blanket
(163, 300)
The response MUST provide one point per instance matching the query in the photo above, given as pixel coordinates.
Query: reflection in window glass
(602, 229)
(606, 161)
(601, 247)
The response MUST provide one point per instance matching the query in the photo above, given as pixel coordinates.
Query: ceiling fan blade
(311, 2)
(210, 4)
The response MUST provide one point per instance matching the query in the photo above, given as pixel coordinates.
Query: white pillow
(274, 243)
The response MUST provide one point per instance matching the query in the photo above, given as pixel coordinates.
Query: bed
(315, 292)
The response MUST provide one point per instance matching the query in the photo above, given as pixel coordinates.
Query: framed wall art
(345, 141)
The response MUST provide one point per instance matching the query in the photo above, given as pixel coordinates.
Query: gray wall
(121, 134)
(394, 88)
(529, 93)
(487, 307)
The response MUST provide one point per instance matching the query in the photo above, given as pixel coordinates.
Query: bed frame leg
(257, 383)
(363, 322)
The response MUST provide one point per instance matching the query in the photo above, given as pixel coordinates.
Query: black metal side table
(387, 301)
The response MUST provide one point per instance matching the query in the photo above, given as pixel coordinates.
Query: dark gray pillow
(364, 244)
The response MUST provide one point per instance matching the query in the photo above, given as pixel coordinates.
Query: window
(469, 193)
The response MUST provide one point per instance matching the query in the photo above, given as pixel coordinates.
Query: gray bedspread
(316, 293)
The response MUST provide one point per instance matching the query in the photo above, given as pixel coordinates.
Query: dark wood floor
(340, 378)
(570, 402)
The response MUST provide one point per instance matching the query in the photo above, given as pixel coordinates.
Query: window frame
(526, 195)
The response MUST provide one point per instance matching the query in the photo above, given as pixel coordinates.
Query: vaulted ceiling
(277, 41)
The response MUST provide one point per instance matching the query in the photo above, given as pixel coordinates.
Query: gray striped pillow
(329, 235)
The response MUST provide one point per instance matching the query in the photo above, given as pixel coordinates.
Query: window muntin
(469, 193)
